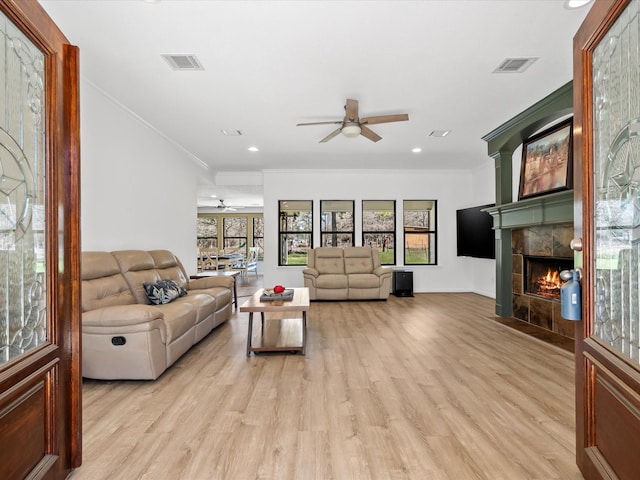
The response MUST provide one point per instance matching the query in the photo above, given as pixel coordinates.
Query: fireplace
(539, 254)
(542, 275)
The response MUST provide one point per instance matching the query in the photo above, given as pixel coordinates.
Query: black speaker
(402, 283)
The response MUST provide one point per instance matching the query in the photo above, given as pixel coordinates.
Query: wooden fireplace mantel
(544, 210)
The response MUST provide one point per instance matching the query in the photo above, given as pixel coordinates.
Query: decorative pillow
(181, 291)
(164, 291)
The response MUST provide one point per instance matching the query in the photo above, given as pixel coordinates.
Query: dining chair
(249, 264)
(207, 259)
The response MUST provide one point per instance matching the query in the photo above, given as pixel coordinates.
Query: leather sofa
(124, 335)
(350, 273)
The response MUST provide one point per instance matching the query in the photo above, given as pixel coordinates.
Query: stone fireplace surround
(544, 241)
(545, 211)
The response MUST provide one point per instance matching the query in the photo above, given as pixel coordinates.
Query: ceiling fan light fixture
(570, 4)
(351, 131)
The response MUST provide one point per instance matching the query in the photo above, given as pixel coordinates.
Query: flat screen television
(475, 236)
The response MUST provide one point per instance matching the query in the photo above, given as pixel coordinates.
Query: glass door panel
(22, 194)
(616, 144)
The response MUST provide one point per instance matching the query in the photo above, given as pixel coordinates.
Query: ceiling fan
(225, 208)
(352, 126)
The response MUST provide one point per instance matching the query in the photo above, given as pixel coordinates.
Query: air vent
(231, 132)
(440, 133)
(515, 65)
(183, 62)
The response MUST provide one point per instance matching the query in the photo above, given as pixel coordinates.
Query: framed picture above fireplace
(547, 161)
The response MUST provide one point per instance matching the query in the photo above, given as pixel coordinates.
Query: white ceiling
(269, 65)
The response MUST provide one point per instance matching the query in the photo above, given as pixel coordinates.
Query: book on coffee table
(270, 295)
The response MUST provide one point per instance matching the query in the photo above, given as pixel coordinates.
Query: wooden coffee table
(222, 273)
(281, 332)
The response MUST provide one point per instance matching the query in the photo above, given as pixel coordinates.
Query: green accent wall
(507, 214)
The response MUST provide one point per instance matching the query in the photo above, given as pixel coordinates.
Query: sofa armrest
(209, 282)
(121, 316)
(311, 272)
(383, 271)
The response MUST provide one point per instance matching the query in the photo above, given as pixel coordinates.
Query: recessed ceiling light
(213, 196)
(576, 3)
(416, 150)
(440, 133)
(253, 149)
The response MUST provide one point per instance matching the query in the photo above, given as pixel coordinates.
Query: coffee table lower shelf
(276, 334)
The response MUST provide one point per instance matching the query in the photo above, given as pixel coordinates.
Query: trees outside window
(235, 230)
(207, 232)
(336, 223)
(233, 233)
(379, 228)
(295, 236)
(258, 235)
(420, 236)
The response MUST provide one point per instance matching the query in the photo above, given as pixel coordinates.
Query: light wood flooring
(413, 388)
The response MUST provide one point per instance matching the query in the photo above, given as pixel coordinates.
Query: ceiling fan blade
(331, 135)
(351, 110)
(401, 117)
(337, 122)
(370, 134)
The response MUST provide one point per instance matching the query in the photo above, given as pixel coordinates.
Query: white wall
(482, 270)
(452, 190)
(138, 189)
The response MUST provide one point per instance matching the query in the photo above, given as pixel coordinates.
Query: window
(258, 235)
(336, 223)
(230, 231)
(207, 232)
(295, 232)
(379, 228)
(235, 234)
(420, 239)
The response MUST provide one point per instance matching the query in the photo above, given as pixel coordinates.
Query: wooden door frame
(598, 21)
(63, 233)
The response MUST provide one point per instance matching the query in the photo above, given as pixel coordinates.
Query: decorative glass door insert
(23, 285)
(616, 145)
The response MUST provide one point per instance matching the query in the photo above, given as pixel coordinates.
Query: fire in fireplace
(543, 275)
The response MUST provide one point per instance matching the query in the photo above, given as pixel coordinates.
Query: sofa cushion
(137, 267)
(332, 281)
(168, 266)
(204, 304)
(98, 265)
(358, 260)
(179, 318)
(164, 291)
(364, 280)
(106, 292)
(329, 260)
(102, 283)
